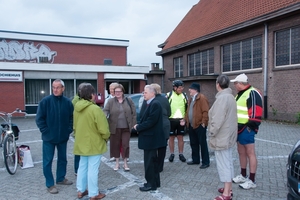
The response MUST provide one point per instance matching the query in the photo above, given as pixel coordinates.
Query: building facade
(260, 39)
(29, 62)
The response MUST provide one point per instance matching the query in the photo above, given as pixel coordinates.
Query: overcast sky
(145, 23)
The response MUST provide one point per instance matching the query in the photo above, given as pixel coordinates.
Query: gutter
(266, 73)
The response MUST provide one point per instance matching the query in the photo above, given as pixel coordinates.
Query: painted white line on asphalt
(271, 157)
(28, 142)
(133, 180)
(28, 130)
(291, 145)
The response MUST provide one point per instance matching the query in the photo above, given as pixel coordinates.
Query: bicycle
(9, 135)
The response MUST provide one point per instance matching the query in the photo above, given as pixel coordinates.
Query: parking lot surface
(178, 180)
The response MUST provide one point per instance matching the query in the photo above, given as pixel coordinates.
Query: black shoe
(182, 158)
(145, 185)
(192, 163)
(171, 158)
(146, 188)
(204, 166)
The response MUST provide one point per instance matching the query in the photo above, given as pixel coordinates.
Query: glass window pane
(235, 48)
(204, 63)
(211, 61)
(191, 59)
(295, 48)
(226, 58)
(282, 47)
(198, 64)
(36, 90)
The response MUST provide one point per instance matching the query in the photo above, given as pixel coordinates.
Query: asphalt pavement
(178, 180)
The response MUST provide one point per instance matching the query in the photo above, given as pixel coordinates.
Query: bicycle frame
(8, 140)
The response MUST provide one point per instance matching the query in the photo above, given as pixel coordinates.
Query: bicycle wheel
(10, 154)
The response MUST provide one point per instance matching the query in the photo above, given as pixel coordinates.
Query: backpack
(184, 94)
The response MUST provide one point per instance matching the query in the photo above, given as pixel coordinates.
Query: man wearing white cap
(249, 113)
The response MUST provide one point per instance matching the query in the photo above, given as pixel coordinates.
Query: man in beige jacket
(222, 132)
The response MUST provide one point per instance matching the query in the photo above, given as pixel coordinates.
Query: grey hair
(61, 82)
(156, 87)
(151, 89)
(223, 81)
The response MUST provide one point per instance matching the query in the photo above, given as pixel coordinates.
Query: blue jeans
(48, 154)
(198, 138)
(88, 174)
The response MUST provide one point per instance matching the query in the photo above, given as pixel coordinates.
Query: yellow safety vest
(177, 103)
(242, 109)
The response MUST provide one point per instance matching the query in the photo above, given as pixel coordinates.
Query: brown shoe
(80, 195)
(52, 190)
(99, 196)
(65, 182)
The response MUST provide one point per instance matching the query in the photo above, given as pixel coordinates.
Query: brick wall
(283, 85)
(12, 96)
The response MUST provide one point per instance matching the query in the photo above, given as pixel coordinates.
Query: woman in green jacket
(92, 133)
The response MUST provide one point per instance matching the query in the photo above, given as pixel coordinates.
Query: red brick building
(29, 62)
(258, 38)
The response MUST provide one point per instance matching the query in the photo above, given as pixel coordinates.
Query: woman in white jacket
(222, 131)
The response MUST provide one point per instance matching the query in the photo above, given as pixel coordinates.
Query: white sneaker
(112, 159)
(247, 185)
(240, 179)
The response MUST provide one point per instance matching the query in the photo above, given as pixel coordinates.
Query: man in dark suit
(151, 137)
(161, 152)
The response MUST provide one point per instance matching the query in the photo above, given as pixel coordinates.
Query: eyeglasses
(118, 91)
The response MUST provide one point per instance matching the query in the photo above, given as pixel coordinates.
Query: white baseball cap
(240, 78)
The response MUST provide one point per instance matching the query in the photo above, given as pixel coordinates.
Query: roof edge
(257, 20)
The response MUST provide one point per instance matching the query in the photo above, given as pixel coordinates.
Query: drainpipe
(266, 73)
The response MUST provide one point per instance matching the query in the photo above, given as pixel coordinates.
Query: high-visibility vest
(177, 104)
(242, 109)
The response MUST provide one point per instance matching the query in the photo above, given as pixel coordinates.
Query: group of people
(228, 121)
(57, 118)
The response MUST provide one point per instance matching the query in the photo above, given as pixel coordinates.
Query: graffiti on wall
(26, 51)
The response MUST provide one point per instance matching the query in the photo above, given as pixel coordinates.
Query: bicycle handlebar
(15, 111)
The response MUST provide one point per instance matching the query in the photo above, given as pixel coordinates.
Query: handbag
(25, 159)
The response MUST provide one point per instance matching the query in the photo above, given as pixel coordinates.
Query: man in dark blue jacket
(151, 137)
(54, 118)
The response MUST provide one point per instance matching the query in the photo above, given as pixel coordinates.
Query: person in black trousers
(163, 100)
(151, 137)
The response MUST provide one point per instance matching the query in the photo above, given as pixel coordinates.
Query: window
(107, 62)
(287, 47)
(201, 63)
(92, 82)
(178, 67)
(43, 60)
(242, 55)
(35, 90)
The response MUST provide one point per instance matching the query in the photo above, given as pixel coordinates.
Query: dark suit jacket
(166, 112)
(150, 129)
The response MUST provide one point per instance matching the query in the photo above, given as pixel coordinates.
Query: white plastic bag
(25, 159)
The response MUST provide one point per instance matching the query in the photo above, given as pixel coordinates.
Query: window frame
(237, 55)
(289, 47)
(197, 60)
(178, 67)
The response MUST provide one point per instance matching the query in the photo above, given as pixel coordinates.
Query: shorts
(246, 136)
(176, 128)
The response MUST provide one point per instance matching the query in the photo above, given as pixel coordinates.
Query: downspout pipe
(266, 73)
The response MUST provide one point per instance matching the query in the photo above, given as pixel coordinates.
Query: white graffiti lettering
(26, 51)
